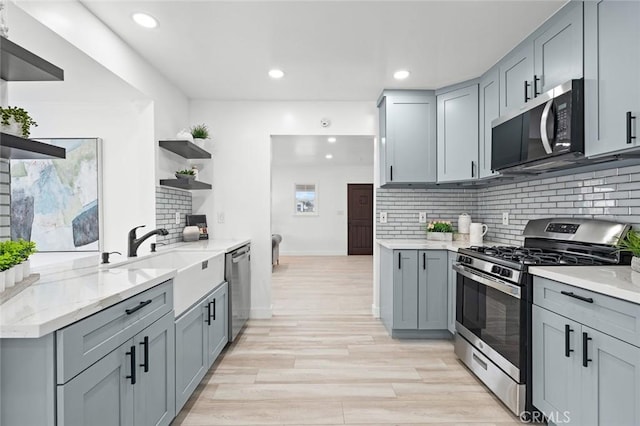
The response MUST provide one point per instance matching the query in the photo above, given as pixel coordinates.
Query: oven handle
(510, 289)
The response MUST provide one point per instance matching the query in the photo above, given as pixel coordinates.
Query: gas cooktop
(533, 256)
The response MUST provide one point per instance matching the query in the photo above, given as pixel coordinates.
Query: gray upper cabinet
(516, 75)
(612, 76)
(432, 290)
(405, 289)
(551, 56)
(458, 135)
(407, 137)
(489, 110)
(557, 52)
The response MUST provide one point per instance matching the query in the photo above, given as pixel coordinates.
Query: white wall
(108, 92)
(240, 168)
(322, 234)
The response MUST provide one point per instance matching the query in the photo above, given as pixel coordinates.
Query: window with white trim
(306, 199)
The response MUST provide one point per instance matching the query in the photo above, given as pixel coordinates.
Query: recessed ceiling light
(276, 74)
(401, 74)
(328, 156)
(144, 20)
(331, 139)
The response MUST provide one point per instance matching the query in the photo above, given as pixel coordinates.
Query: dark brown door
(360, 218)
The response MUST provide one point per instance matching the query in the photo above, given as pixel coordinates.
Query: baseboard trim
(375, 310)
(314, 253)
(261, 313)
(421, 334)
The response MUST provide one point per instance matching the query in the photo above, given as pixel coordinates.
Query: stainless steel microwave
(547, 133)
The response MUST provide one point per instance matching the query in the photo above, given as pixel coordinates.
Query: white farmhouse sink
(199, 272)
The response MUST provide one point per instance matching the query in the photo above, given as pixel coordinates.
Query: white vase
(440, 236)
(2, 281)
(199, 142)
(19, 272)
(26, 268)
(13, 128)
(635, 264)
(9, 278)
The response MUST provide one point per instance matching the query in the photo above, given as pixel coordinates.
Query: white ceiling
(329, 50)
(311, 151)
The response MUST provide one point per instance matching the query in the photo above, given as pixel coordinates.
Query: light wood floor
(324, 360)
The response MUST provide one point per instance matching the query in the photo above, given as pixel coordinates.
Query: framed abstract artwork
(56, 202)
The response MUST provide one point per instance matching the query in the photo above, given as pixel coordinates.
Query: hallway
(324, 360)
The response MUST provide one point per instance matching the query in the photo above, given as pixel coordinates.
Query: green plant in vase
(199, 131)
(631, 243)
(186, 174)
(439, 230)
(20, 116)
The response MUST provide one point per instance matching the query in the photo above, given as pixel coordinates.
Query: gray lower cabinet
(201, 334)
(458, 135)
(489, 110)
(413, 292)
(407, 137)
(612, 76)
(451, 293)
(132, 385)
(582, 375)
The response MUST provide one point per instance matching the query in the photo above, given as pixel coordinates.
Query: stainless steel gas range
(494, 295)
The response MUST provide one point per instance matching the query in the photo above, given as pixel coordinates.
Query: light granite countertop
(73, 287)
(615, 281)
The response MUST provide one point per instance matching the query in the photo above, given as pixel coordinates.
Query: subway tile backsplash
(168, 202)
(612, 194)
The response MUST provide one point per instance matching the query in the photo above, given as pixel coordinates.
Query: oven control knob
(505, 273)
(496, 269)
(469, 261)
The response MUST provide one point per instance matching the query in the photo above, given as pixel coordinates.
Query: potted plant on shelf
(200, 132)
(631, 243)
(186, 174)
(16, 121)
(26, 249)
(440, 230)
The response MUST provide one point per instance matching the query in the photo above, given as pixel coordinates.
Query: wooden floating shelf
(184, 184)
(184, 148)
(17, 148)
(19, 64)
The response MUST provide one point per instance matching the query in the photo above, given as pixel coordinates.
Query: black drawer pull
(567, 340)
(526, 91)
(132, 353)
(585, 350)
(214, 309)
(209, 313)
(137, 308)
(145, 344)
(391, 172)
(630, 118)
(399, 261)
(424, 261)
(575, 296)
(536, 79)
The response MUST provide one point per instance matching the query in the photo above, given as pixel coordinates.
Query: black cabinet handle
(630, 118)
(424, 261)
(536, 79)
(526, 91)
(214, 309)
(399, 261)
(145, 345)
(391, 172)
(567, 340)
(137, 308)
(576, 296)
(208, 313)
(132, 353)
(585, 350)
(472, 171)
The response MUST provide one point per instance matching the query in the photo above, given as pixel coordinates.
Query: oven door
(490, 314)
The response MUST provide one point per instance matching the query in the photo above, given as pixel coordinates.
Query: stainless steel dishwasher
(238, 275)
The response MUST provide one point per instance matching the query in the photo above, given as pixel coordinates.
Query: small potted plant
(440, 230)
(631, 243)
(186, 174)
(200, 132)
(5, 263)
(26, 249)
(16, 121)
